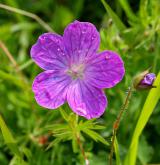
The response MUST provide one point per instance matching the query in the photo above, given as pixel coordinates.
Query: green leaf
(150, 103)
(8, 138)
(54, 127)
(90, 124)
(64, 114)
(114, 17)
(143, 12)
(126, 7)
(17, 161)
(74, 145)
(95, 136)
(54, 142)
(26, 152)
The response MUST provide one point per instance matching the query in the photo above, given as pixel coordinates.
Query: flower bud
(144, 80)
(42, 140)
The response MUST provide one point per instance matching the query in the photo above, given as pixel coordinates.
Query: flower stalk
(74, 127)
(82, 149)
(117, 122)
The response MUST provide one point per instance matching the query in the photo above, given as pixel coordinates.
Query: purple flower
(74, 71)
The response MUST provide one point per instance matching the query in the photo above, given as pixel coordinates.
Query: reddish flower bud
(42, 140)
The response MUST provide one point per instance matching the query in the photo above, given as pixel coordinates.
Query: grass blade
(28, 14)
(126, 7)
(8, 138)
(114, 17)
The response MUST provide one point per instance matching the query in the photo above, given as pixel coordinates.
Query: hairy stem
(117, 122)
(28, 14)
(77, 134)
(74, 126)
(82, 149)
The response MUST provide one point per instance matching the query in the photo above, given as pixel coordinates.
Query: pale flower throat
(76, 71)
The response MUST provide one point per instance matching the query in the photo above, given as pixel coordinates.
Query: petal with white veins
(81, 39)
(50, 88)
(48, 52)
(85, 100)
(105, 70)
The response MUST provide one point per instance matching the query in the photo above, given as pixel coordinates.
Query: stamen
(76, 71)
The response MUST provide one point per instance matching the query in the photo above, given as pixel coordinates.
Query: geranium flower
(74, 71)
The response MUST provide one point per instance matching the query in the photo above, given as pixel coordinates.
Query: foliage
(33, 135)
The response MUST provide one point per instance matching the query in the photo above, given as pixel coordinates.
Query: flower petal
(48, 52)
(50, 89)
(105, 70)
(81, 39)
(86, 100)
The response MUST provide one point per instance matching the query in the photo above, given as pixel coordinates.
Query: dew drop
(84, 31)
(93, 37)
(42, 39)
(108, 57)
(58, 49)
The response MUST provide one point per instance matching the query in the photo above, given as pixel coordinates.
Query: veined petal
(86, 100)
(50, 89)
(105, 70)
(81, 39)
(48, 52)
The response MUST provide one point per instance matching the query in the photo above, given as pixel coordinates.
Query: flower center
(76, 71)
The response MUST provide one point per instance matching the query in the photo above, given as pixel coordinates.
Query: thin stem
(25, 65)
(9, 55)
(13, 61)
(28, 14)
(82, 149)
(77, 134)
(117, 122)
(74, 127)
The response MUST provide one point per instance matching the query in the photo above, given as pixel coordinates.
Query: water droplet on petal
(93, 37)
(108, 57)
(58, 49)
(42, 39)
(84, 31)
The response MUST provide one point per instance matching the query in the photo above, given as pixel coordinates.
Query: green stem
(80, 144)
(28, 14)
(117, 122)
(82, 149)
(76, 132)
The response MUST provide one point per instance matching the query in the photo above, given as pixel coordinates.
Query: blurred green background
(136, 38)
